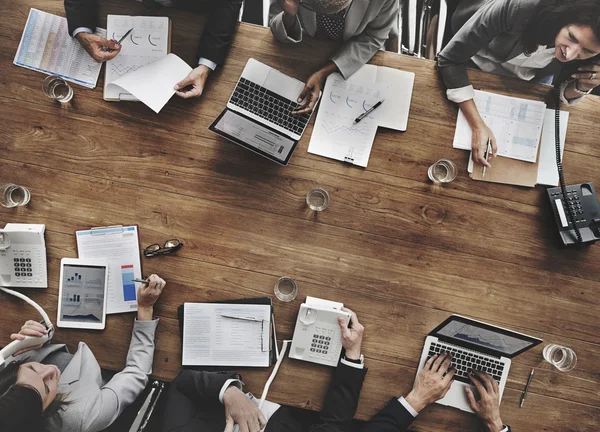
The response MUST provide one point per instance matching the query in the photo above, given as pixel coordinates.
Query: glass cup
(14, 195)
(286, 289)
(317, 199)
(562, 357)
(443, 171)
(57, 89)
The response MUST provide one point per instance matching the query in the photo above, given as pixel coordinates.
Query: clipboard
(508, 171)
(107, 95)
(254, 300)
(120, 246)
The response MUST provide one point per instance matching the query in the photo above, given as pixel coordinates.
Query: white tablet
(82, 294)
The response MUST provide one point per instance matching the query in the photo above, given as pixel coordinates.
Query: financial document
(335, 134)
(47, 47)
(120, 247)
(516, 124)
(210, 339)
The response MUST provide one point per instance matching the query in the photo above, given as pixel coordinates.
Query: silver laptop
(474, 345)
(258, 114)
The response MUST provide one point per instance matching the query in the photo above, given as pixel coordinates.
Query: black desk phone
(575, 207)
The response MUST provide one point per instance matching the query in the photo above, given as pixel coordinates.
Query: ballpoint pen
(487, 153)
(140, 280)
(367, 112)
(242, 318)
(120, 40)
(526, 388)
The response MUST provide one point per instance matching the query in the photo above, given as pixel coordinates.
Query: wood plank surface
(401, 252)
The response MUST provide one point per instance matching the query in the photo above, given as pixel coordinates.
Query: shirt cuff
(462, 94)
(505, 429)
(208, 63)
(410, 409)
(82, 30)
(563, 99)
(354, 365)
(232, 381)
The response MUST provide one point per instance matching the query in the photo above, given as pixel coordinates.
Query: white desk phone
(23, 264)
(317, 336)
(23, 256)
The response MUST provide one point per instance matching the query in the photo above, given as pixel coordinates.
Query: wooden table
(402, 253)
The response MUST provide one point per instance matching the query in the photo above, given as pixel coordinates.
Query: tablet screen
(83, 293)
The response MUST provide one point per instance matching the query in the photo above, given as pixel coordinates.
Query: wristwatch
(507, 428)
(360, 360)
(581, 92)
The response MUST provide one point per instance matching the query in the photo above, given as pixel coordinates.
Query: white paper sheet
(148, 42)
(154, 83)
(547, 171)
(335, 134)
(120, 247)
(516, 124)
(212, 340)
(47, 47)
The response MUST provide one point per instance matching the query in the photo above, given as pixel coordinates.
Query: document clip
(114, 229)
(348, 159)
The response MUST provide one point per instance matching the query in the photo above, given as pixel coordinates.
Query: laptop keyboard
(269, 106)
(466, 361)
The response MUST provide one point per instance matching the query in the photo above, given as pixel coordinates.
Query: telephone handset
(317, 336)
(23, 256)
(575, 207)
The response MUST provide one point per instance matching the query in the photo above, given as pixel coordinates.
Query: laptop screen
(254, 136)
(485, 337)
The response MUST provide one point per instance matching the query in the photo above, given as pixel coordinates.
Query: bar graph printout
(516, 124)
(47, 47)
(118, 245)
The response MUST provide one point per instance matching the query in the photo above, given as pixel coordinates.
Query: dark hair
(8, 380)
(553, 15)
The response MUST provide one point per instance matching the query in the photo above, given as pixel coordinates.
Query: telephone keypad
(24, 270)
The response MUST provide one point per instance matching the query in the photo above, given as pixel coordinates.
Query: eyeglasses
(170, 246)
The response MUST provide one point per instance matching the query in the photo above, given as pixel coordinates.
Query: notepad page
(212, 340)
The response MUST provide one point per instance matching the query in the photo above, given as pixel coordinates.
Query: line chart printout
(516, 124)
(335, 134)
(47, 47)
(148, 42)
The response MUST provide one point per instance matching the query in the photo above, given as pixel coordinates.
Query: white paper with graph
(335, 134)
(148, 42)
(515, 122)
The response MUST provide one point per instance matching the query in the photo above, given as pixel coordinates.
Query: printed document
(120, 247)
(547, 171)
(516, 124)
(241, 339)
(335, 134)
(47, 47)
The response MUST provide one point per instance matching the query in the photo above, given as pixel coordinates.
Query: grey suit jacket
(368, 25)
(95, 405)
(492, 24)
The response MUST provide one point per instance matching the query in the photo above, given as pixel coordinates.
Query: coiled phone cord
(561, 176)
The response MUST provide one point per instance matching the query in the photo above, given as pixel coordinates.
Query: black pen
(486, 154)
(526, 388)
(105, 48)
(369, 111)
(146, 281)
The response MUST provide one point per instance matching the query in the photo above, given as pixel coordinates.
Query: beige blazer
(368, 25)
(95, 405)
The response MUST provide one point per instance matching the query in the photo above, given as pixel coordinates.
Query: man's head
(328, 7)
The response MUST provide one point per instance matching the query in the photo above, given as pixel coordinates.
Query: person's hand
(488, 406)
(588, 76)
(30, 328)
(311, 91)
(351, 336)
(99, 48)
(290, 7)
(239, 410)
(193, 84)
(432, 383)
(147, 295)
(479, 143)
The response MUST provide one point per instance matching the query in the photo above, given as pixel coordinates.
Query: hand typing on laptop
(488, 405)
(314, 86)
(432, 383)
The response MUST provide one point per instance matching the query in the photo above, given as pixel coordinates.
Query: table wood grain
(401, 252)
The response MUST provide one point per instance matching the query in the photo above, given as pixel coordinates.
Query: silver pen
(487, 153)
(367, 112)
(526, 388)
(160, 387)
(146, 281)
(242, 318)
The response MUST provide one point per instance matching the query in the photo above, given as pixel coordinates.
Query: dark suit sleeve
(202, 388)
(218, 33)
(81, 13)
(393, 418)
(341, 400)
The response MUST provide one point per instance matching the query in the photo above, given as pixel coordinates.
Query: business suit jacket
(392, 418)
(367, 26)
(95, 405)
(193, 404)
(216, 37)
